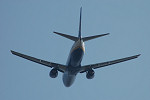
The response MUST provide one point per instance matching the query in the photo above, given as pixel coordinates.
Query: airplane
(73, 65)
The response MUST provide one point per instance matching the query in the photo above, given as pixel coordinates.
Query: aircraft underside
(73, 65)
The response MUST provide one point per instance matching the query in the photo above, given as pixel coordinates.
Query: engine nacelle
(53, 73)
(90, 74)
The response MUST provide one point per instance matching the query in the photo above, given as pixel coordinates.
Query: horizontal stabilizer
(93, 37)
(67, 36)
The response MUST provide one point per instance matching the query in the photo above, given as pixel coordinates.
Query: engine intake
(90, 74)
(53, 73)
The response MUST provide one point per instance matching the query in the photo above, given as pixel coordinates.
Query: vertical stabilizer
(79, 36)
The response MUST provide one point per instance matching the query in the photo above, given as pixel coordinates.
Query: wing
(103, 64)
(60, 67)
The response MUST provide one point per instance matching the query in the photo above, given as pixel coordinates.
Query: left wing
(60, 67)
(103, 64)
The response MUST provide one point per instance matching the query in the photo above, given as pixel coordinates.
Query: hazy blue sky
(27, 26)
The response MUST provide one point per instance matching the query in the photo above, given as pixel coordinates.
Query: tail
(79, 35)
(87, 38)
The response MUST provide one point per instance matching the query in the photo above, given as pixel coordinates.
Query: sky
(27, 26)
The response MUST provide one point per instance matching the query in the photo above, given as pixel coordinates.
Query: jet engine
(53, 73)
(90, 74)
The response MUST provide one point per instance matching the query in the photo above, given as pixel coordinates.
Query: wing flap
(60, 67)
(103, 64)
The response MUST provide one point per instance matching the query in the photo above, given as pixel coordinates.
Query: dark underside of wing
(103, 64)
(60, 67)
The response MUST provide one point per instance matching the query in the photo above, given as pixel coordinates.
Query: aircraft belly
(68, 79)
(76, 57)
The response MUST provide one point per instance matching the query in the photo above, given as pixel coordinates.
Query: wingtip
(54, 32)
(107, 33)
(11, 51)
(138, 55)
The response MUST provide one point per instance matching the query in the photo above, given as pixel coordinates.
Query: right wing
(103, 64)
(60, 67)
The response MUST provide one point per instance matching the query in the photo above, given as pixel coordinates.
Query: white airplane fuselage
(73, 62)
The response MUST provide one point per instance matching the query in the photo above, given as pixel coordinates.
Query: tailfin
(73, 37)
(90, 37)
(79, 36)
